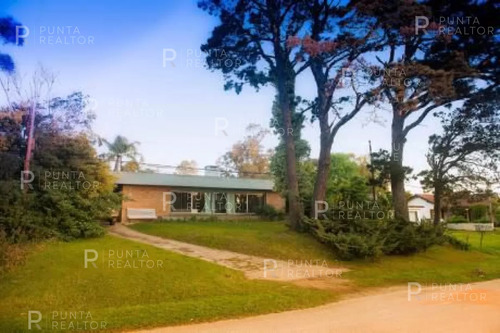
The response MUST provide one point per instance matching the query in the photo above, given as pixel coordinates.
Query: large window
(188, 201)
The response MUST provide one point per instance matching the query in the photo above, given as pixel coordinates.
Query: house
(157, 195)
(421, 207)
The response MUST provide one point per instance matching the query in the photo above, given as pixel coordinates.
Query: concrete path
(312, 273)
(472, 308)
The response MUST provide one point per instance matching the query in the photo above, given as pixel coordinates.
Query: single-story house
(157, 195)
(421, 207)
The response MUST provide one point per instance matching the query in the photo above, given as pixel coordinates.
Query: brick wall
(142, 196)
(275, 200)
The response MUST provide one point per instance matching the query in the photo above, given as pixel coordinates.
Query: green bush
(457, 219)
(478, 212)
(369, 239)
(268, 212)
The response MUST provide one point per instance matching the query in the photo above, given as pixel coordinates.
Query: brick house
(156, 195)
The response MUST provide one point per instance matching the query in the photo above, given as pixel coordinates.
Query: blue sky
(114, 53)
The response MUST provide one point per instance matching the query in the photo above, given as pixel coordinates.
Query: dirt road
(471, 308)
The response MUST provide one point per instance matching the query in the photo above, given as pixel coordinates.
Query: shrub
(478, 212)
(369, 239)
(268, 212)
(457, 243)
(457, 219)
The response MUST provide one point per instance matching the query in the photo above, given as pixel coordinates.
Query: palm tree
(119, 148)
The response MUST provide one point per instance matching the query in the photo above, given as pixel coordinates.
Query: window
(240, 202)
(255, 202)
(188, 201)
(181, 202)
(220, 200)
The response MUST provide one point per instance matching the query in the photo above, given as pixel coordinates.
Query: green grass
(263, 239)
(439, 264)
(491, 240)
(183, 290)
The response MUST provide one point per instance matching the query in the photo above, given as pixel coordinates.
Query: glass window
(240, 202)
(220, 200)
(181, 202)
(255, 202)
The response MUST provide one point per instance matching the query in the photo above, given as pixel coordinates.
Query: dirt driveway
(470, 308)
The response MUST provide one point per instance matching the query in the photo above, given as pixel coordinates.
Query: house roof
(424, 196)
(161, 179)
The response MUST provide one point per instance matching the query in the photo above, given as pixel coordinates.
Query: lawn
(168, 289)
(439, 264)
(263, 239)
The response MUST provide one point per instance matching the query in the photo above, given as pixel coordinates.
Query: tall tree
(468, 149)
(187, 167)
(247, 158)
(306, 168)
(118, 149)
(422, 67)
(335, 39)
(249, 46)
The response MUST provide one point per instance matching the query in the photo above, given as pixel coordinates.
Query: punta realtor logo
(64, 321)
(120, 259)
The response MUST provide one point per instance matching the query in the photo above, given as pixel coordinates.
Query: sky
(114, 51)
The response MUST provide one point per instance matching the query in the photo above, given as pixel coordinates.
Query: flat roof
(162, 179)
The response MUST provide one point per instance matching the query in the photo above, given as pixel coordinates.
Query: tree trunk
(118, 163)
(437, 203)
(284, 81)
(397, 172)
(324, 163)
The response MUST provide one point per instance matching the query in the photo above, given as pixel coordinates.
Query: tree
(247, 157)
(420, 68)
(249, 46)
(131, 166)
(306, 169)
(8, 35)
(118, 149)
(346, 183)
(467, 150)
(69, 189)
(336, 38)
(187, 168)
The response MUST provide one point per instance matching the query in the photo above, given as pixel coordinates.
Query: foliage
(247, 157)
(70, 188)
(9, 35)
(187, 167)
(457, 242)
(358, 238)
(268, 212)
(478, 212)
(118, 149)
(457, 219)
(346, 181)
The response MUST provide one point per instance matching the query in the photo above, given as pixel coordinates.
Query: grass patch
(439, 264)
(181, 290)
(264, 239)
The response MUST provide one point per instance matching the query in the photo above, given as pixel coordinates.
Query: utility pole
(30, 144)
(372, 170)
